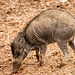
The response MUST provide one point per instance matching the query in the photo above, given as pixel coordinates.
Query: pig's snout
(16, 66)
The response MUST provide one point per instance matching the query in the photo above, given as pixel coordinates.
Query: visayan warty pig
(48, 27)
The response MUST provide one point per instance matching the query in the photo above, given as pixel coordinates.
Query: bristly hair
(39, 15)
(24, 30)
(32, 20)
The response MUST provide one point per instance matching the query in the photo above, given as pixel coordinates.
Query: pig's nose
(16, 66)
(14, 70)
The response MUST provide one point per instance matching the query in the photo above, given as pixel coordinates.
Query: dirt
(14, 15)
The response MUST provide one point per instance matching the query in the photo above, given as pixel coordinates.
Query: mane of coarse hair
(27, 25)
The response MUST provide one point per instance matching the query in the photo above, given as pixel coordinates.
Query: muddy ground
(14, 15)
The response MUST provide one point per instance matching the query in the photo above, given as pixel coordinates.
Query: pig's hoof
(61, 65)
(41, 64)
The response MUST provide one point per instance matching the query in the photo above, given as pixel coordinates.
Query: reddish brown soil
(14, 14)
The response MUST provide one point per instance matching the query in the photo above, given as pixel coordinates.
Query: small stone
(63, 1)
(2, 62)
(47, 4)
(9, 55)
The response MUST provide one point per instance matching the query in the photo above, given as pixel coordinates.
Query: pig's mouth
(16, 66)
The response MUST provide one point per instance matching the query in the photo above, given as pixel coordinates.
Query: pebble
(2, 62)
(9, 55)
(63, 1)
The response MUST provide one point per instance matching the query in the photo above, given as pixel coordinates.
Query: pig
(50, 26)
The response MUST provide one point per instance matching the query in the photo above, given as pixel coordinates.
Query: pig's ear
(22, 41)
(12, 49)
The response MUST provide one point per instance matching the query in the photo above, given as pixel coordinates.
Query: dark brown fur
(49, 27)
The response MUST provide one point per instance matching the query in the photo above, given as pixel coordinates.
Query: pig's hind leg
(63, 46)
(72, 44)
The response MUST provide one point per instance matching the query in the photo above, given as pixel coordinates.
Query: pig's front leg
(42, 54)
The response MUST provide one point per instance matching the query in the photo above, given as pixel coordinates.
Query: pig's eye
(17, 53)
(26, 53)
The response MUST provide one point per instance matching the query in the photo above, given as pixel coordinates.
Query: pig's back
(46, 26)
(58, 15)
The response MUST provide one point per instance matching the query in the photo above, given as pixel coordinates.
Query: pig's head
(20, 49)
